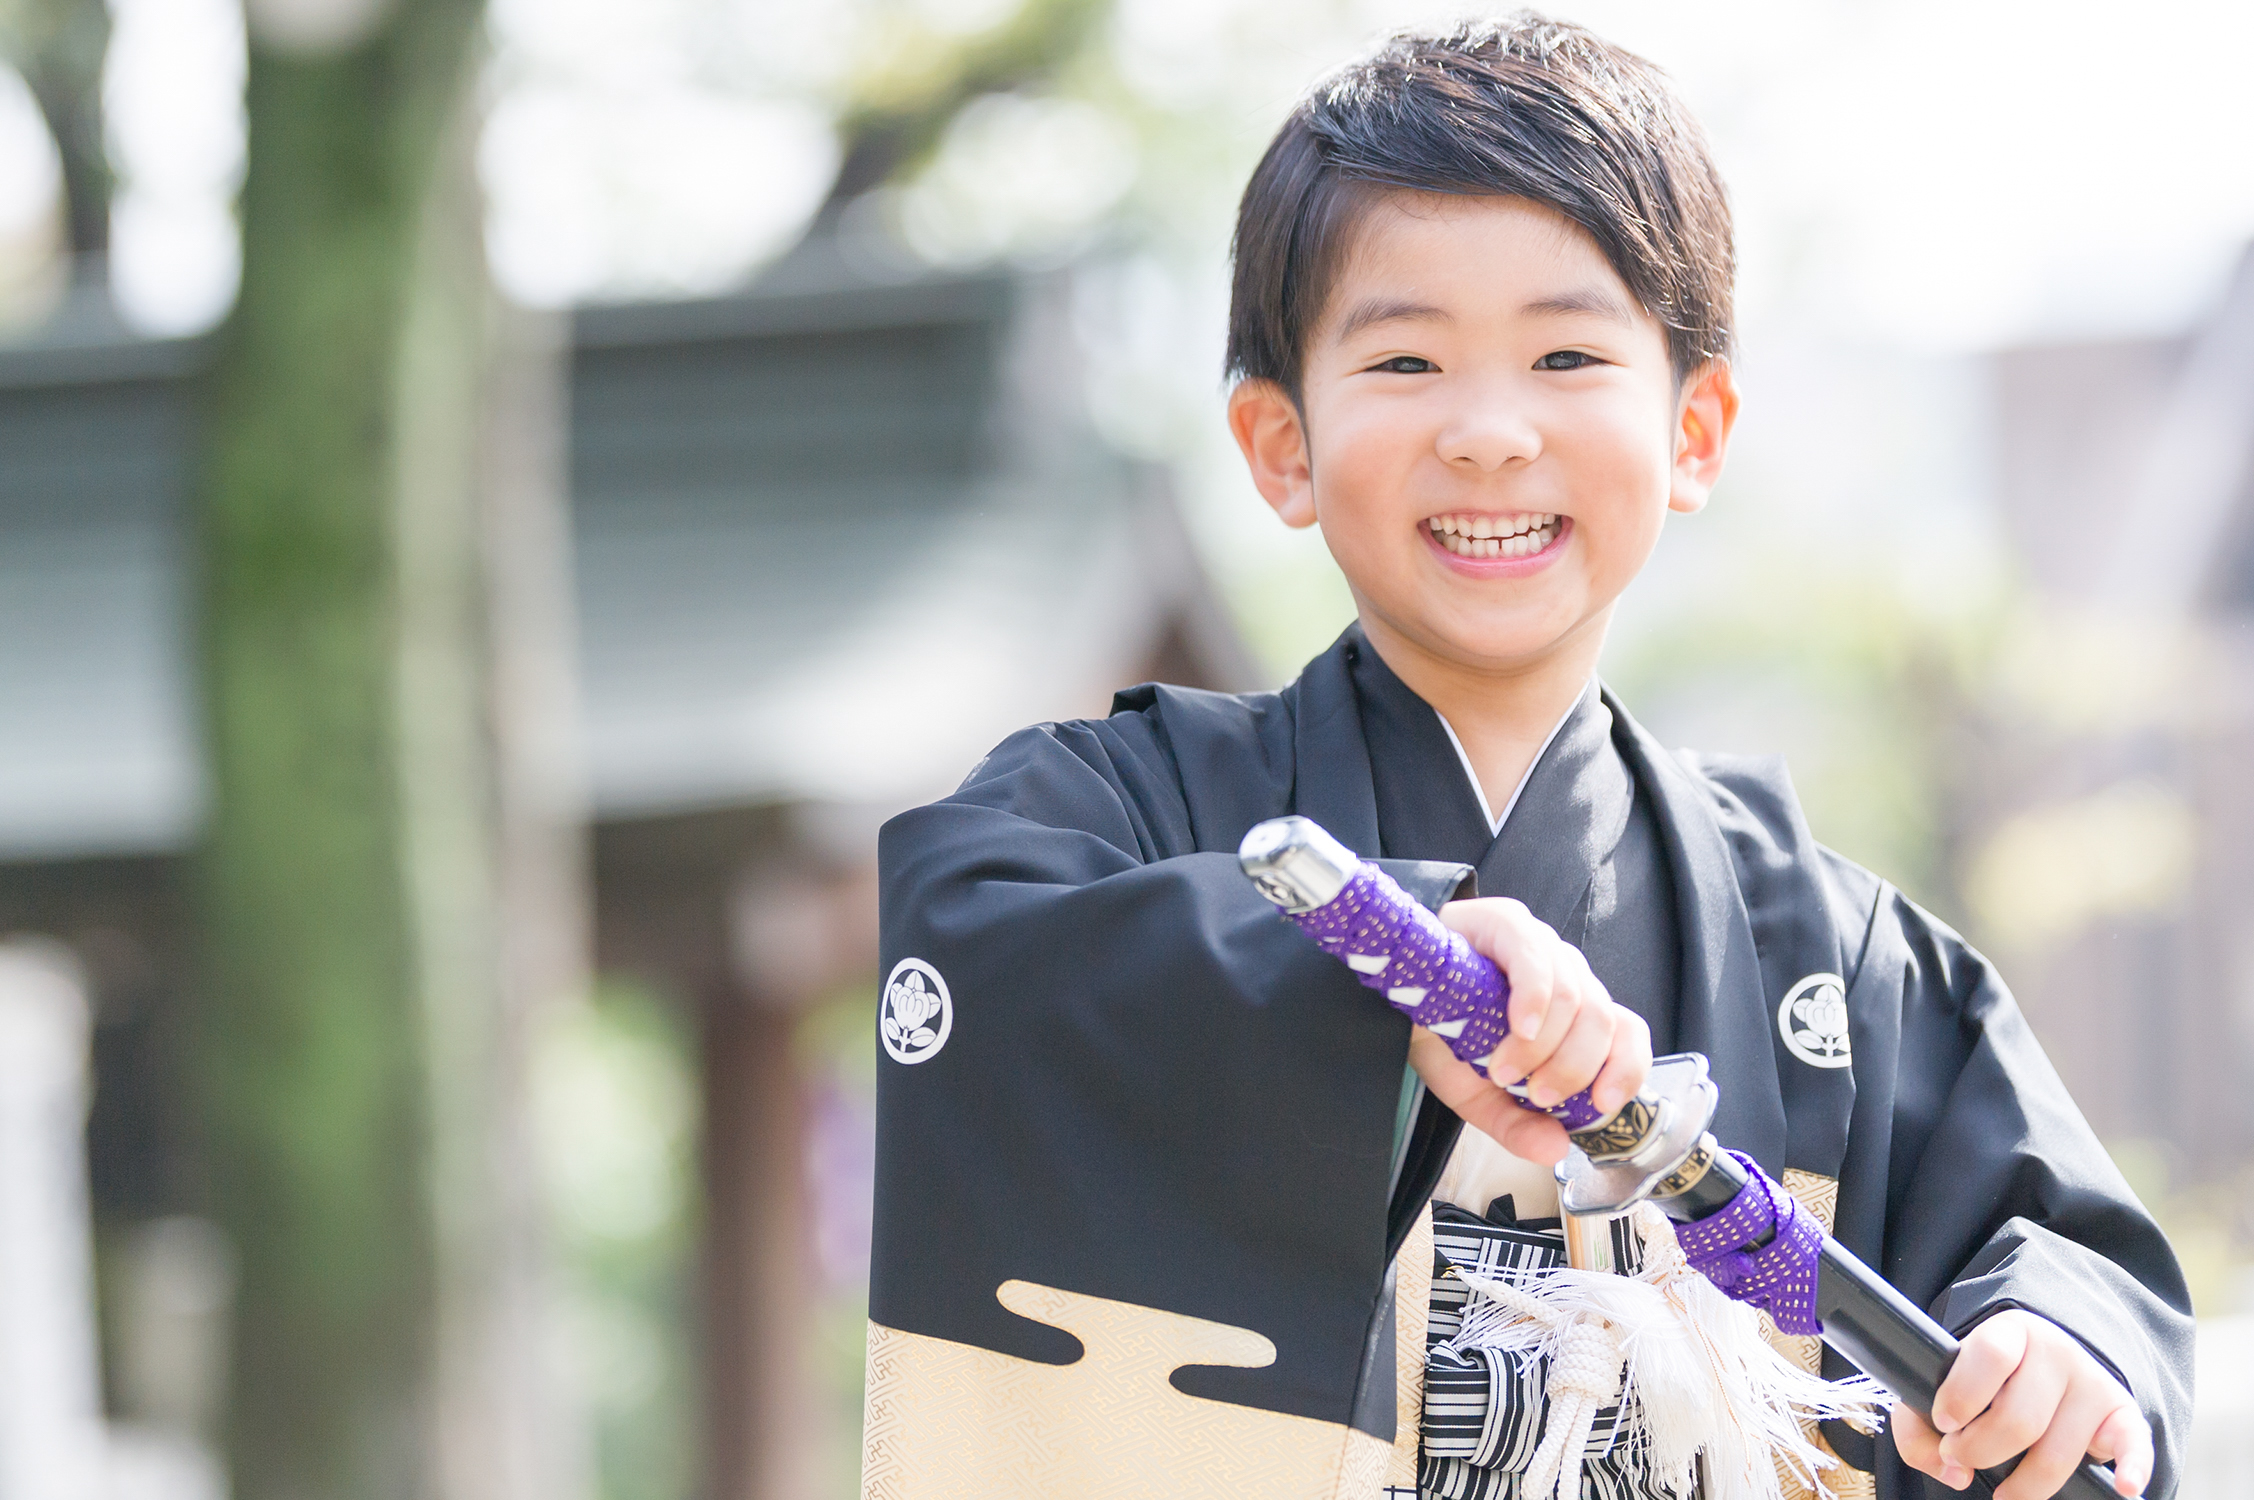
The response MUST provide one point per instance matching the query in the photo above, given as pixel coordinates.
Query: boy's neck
(1501, 715)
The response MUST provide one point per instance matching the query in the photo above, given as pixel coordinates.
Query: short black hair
(1524, 107)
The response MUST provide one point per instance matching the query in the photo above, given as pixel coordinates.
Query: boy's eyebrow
(1593, 300)
(1374, 310)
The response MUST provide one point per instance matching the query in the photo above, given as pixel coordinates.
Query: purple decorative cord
(1424, 970)
(1780, 1276)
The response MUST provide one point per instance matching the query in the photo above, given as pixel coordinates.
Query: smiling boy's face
(1489, 433)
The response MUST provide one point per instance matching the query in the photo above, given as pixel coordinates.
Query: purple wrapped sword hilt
(1745, 1232)
(1358, 914)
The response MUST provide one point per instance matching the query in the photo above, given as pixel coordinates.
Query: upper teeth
(1495, 536)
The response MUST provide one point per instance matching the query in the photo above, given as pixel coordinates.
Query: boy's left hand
(1566, 1034)
(2022, 1384)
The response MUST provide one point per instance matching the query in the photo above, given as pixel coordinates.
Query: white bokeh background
(1910, 174)
(172, 103)
(1938, 176)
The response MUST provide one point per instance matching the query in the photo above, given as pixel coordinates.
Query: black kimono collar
(1427, 807)
(1331, 760)
(1722, 1010)
(1567, 820)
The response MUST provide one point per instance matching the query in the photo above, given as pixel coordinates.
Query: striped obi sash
(1484, 1408)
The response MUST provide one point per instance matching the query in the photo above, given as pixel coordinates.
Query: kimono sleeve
(1118, 1072)
(2000, 1195)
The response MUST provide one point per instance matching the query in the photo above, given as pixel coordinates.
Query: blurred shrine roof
(832, 541)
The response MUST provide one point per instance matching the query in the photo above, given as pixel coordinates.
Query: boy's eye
(1404, 364)
(1566, 359)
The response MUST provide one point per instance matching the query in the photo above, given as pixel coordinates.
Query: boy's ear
(1703, 419)
(1266, 424)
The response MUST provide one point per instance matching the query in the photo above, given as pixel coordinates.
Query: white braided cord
(1702, 1376)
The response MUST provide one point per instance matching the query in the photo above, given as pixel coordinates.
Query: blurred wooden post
(389, 875)
(794, 933)
(754, 1272)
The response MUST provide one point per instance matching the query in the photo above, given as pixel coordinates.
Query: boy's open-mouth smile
(1522, 537)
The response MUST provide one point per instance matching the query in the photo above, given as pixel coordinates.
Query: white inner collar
(1495, 821)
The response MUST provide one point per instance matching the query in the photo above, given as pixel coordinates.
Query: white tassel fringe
(1702, 1377)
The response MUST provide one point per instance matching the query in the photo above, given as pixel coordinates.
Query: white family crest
(916, 1013)
(1812, 1019)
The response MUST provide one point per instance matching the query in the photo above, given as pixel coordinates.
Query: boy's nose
(1487, 438)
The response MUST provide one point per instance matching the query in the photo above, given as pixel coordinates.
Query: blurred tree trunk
(388, 878)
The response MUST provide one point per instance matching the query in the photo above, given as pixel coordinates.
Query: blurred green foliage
(615, 1100)
(2206, 1222)
(1293, 607)
(1833, 667)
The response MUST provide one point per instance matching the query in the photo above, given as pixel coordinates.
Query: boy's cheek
(1364, 471)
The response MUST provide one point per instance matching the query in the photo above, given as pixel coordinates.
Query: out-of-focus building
(833, 536)
(2112, 785)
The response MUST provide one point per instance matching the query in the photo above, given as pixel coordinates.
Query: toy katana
(1736, 1225)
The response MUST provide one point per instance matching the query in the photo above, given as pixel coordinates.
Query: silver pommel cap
(1296, 863)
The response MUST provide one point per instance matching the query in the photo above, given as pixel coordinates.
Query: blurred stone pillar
(51, 1440)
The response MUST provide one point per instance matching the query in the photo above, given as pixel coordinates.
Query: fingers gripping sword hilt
(1359, 915)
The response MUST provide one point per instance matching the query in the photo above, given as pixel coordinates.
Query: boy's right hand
(1566, 1034)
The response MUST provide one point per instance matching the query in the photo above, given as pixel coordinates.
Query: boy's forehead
(1437, 255)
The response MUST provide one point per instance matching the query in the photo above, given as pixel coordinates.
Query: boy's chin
(1534, 632)
(1497, 649)
(1508, 656)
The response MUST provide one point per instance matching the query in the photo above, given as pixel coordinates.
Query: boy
(1143, 1166)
